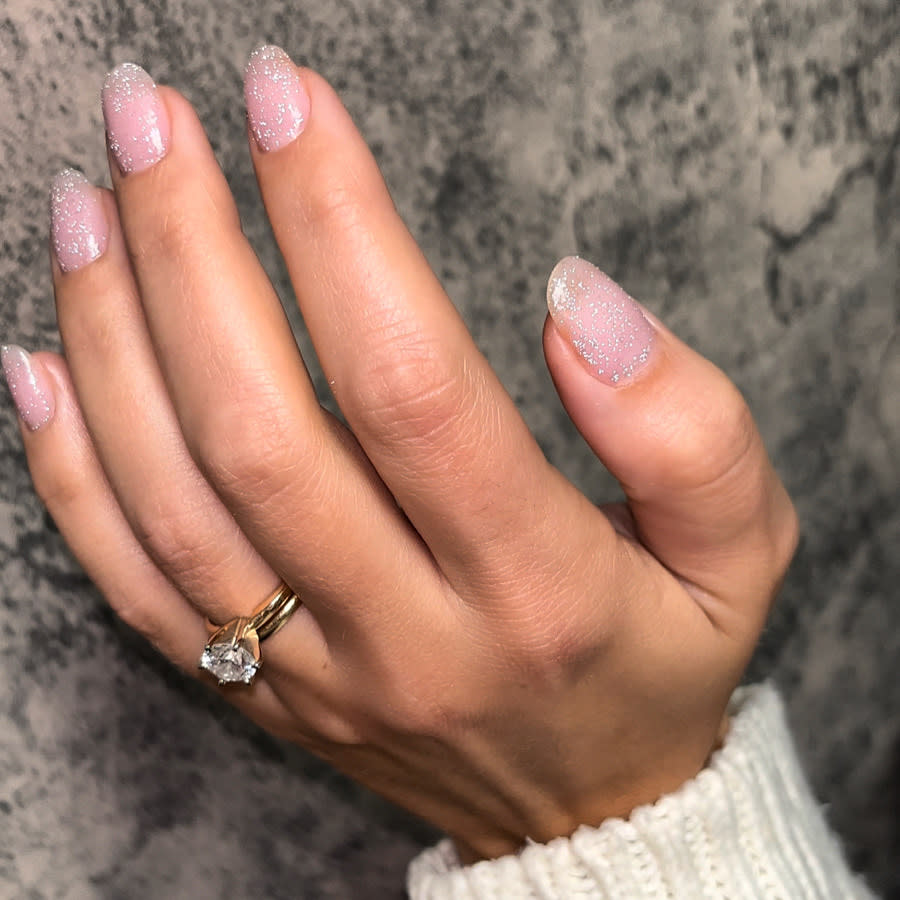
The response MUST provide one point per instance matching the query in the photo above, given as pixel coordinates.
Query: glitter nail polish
(277, 102)
(137, 124)
(29, 385)
(78, 225)
(603, 323)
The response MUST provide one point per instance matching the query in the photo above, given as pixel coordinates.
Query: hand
(477, 641)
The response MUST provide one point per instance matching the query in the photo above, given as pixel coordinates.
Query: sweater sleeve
(745, 828)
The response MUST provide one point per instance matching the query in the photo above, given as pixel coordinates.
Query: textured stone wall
(734, 164)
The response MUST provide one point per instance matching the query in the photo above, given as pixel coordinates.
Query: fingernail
(603, 323)
(137, 123)
(277, 102)
(29, 385)
(78, 225)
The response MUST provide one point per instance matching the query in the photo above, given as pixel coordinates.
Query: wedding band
(232, 652)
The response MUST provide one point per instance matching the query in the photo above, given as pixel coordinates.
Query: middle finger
(294, 480)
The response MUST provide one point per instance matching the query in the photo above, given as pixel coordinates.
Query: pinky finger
(71, 483)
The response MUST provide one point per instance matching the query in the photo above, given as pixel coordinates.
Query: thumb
(679, 438)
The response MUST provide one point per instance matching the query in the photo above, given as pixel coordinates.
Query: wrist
(746, 828)
(557, 821)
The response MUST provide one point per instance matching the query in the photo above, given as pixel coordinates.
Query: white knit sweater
(746, 828)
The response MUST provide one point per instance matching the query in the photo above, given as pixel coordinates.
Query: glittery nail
(137, 124)
(603, 323)
(277, 102)
(29, 385)
(78, 224)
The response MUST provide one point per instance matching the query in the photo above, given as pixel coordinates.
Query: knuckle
(169, 532)
(551, 657)
(248, 447)
(555, 635)
(431, 707)
(424, 714)
(189, 209)
(58, 487)
(136, 612)
(408, 381)
(738, 429)
(336, 207)
(167, 236)
(733, 431)
(708, 442)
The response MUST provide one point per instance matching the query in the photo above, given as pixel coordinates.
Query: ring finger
(72, 485)
(171, 509)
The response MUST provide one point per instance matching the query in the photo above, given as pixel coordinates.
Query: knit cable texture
(745, 828)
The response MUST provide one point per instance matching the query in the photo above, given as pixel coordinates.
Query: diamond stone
(229, 663)
(232, 653)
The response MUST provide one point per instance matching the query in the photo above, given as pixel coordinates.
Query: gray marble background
(734, 164)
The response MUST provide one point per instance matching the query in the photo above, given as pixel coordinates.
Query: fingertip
(66, 430)
(291, 106)
(604, 324)
(67, 416)
(159, 188)
(59, 450)
(138, 127)
(276, 98)
(30, 386)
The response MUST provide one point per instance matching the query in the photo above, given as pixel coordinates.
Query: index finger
(422, 400)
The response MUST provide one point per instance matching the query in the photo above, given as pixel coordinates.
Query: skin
(478, 642)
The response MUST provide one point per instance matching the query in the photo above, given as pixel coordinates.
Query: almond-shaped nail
(137, 124)
(29, 385)
(78, 225)
(605, 325)
(277, 102)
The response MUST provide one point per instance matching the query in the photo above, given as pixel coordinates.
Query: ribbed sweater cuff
(745, 828)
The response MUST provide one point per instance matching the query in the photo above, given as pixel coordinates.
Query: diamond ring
(232, 652)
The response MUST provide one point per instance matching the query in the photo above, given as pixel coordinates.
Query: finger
(302, 493)
(170, 507)
(677, 435)
(421, 399)
(175, 515)
(71, 483)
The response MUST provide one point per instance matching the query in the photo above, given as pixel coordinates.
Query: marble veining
(733, 164)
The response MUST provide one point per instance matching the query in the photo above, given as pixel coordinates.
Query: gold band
(274, 612)
(232, 652)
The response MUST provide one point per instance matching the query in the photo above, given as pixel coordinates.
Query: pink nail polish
(78, 225)
(277, 102)
(29, 385)
(603, 323)
(137, 123)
